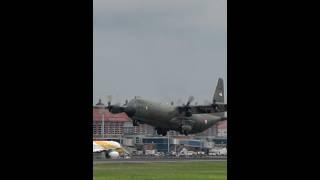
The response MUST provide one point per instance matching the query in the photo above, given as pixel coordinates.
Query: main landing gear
(161, 131)
(183, 131)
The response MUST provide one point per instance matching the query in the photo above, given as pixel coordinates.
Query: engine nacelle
(188, 113)
(186, 128)
(116, 109)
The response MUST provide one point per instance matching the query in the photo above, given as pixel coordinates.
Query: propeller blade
(109, 99)
(191, 98)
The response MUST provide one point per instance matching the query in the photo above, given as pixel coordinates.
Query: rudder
(218, 96)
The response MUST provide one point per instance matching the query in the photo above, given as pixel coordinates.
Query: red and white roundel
(205, 121)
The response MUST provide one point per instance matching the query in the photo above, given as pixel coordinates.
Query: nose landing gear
(135, 123)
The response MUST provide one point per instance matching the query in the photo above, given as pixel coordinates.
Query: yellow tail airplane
(112, 148)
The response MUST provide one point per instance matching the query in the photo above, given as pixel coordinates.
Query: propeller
(118, 104)
(109, 100)
(186, 107)
(190, 99)
(117, 108)
(111, 107)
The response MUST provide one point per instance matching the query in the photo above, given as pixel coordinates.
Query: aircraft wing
(97, 148)
(204, 109)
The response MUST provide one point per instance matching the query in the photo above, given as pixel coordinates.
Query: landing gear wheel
(159, 131)
(164, 133)
(185, 133)
(135, 123)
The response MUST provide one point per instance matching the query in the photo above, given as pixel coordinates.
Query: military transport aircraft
(186, 119)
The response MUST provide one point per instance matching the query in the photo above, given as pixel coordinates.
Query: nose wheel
(135, 123)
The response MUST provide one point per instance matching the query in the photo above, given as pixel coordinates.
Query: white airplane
(220, 151)
(112, 148)
(223, 151)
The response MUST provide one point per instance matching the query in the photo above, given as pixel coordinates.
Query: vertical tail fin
(218, 96)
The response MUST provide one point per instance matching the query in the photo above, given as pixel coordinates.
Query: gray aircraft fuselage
(168, 117)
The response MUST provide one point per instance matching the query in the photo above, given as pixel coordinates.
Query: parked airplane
(112, 149)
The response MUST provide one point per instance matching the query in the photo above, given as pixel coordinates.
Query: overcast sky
(159, 49)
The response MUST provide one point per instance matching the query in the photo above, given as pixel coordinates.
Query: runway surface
(154, 160)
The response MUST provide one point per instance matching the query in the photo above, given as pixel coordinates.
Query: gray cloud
(159, 49)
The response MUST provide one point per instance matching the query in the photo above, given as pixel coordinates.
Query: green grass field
(216, 170)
